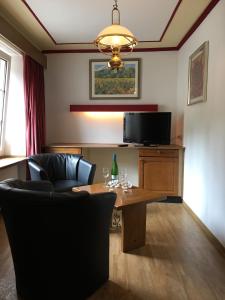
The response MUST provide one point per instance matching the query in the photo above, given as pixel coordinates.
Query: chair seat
(65, 185)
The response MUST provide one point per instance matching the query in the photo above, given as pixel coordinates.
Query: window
(4, 72)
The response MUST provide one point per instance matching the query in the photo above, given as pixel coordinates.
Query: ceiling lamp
(114, 39)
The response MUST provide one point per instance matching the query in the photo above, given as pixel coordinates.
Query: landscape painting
(114, 84)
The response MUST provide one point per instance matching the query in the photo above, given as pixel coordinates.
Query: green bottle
(114, 170)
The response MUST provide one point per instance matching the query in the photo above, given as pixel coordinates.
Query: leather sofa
(59, 241)
(63, 170)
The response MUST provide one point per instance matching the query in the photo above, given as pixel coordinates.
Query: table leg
(133, 226)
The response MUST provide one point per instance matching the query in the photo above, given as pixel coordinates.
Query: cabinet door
(159, 174)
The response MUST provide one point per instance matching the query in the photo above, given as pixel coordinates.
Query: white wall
(204, 124)
(126, 158)
(10, 172)
(17, 171)
(67, 82)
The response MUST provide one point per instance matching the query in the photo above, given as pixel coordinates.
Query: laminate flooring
(179, 262)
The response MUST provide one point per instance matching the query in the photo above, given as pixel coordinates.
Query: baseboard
(210, 236)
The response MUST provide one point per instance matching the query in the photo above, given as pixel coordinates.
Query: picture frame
(105, 83)
(197, 75)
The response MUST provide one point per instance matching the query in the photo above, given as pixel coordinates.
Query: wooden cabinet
(62, 149)
(160, 170)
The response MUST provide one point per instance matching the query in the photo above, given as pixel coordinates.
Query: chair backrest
(59, 241)
(56, 165)
(86, 172)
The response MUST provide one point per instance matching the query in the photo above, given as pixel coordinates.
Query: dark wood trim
(97, 51)
(170, 20)
(38, 20)
(201, 18)
(113, 108)
(210, 236)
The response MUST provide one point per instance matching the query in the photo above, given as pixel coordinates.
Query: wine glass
(123, 179)
(105, 172)
(125, 186)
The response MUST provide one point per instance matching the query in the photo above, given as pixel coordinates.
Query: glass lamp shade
(115, 36)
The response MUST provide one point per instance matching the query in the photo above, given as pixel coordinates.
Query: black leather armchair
(63, 170)
(59, 241)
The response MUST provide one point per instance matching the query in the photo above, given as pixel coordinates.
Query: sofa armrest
(42, 185)
(36, 171)
(86, 172)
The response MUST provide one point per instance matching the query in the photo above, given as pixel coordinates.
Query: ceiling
(56, 25)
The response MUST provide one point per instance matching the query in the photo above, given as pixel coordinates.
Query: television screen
(151, 128)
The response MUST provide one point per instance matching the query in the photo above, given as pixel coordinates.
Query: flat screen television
(148, 128)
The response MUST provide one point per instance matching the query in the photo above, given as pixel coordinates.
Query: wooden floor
(179, 262)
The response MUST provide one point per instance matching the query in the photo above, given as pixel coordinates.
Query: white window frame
(7, 58)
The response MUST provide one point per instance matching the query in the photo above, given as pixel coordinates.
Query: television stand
(151, 145)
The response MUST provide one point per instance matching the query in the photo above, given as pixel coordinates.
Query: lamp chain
(115, 6)
(115, 13)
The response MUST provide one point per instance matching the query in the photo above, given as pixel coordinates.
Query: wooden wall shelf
(114, 108)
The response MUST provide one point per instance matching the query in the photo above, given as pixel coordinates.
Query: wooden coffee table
(133, 206)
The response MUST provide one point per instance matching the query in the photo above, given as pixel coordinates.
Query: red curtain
(34, 94)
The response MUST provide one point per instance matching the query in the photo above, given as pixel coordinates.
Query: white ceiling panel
(72, 25)
(79, 21)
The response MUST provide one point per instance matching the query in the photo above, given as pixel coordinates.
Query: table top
(132, 196)
(101, 145)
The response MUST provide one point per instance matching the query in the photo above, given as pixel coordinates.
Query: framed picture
(105, 83)
(197, 75)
